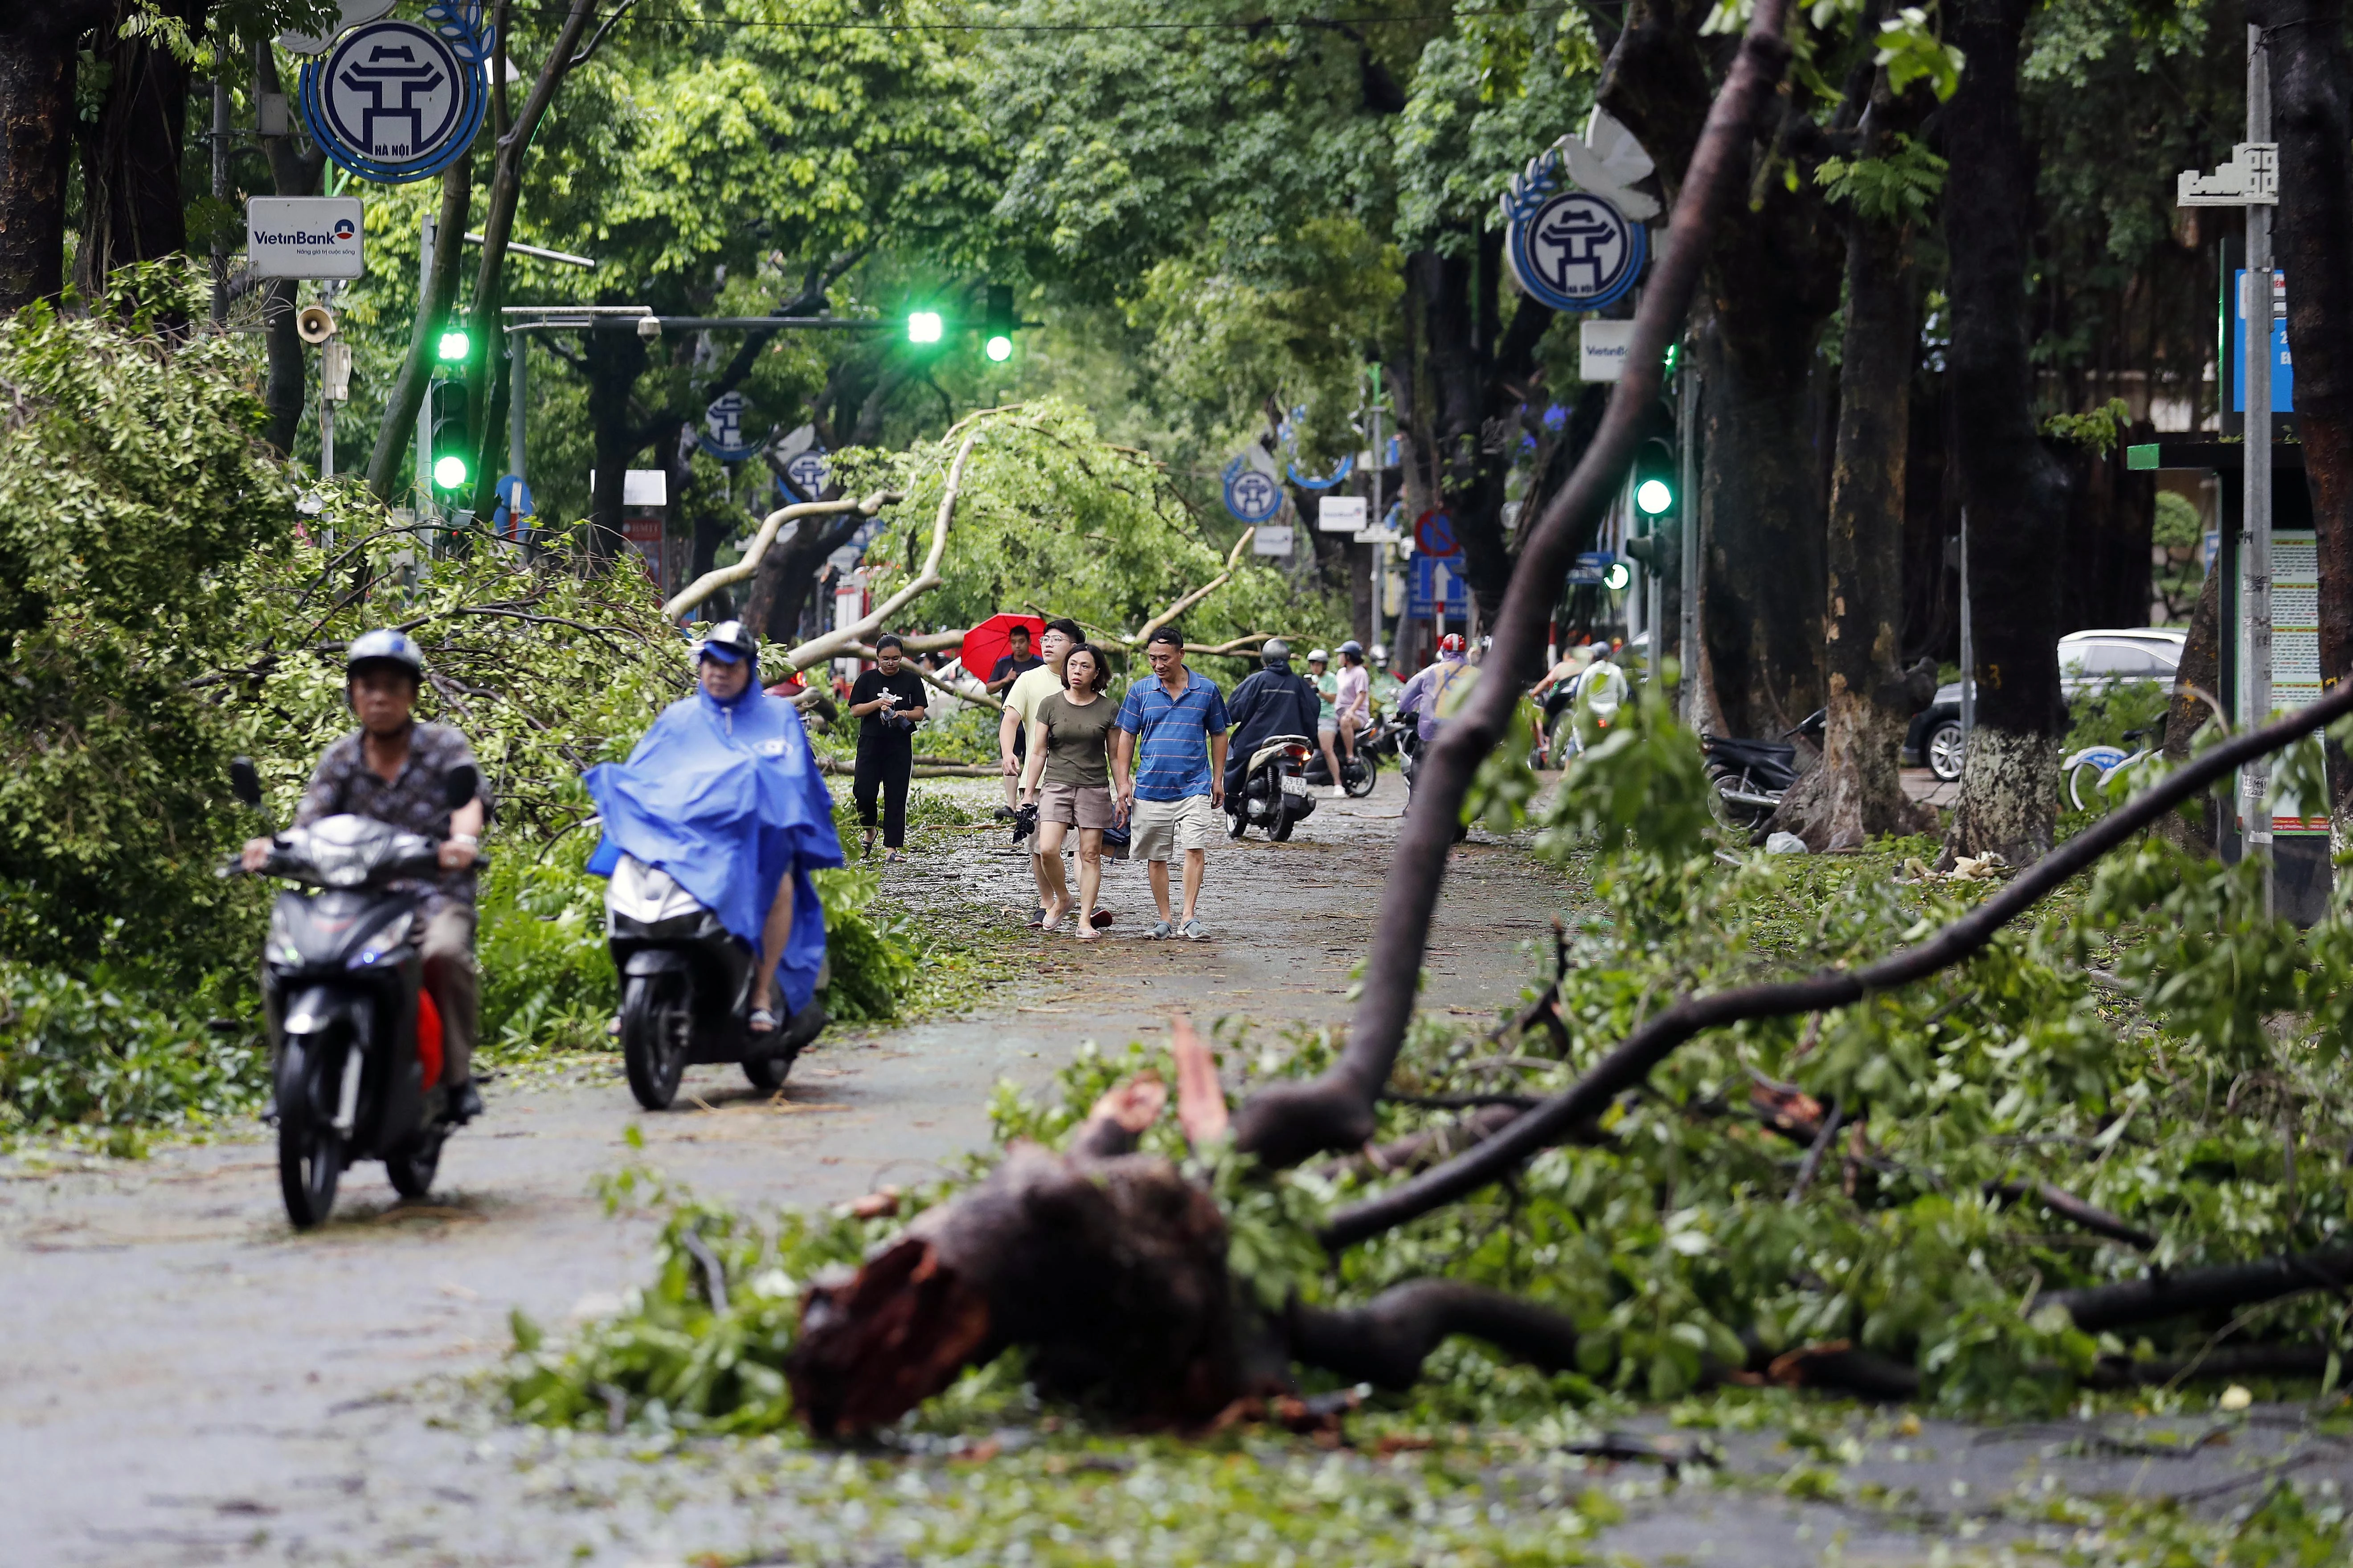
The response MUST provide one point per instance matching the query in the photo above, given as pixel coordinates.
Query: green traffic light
(1616, 576)
(454, 343)
(1654, 496)
(923, 327)
(449, 472)
(998, 348)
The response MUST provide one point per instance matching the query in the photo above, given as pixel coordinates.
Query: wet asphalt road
(184, 1380)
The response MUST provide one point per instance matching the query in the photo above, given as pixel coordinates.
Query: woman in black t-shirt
(888, 702)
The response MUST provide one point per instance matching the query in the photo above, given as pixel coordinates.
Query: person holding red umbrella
(1004, 645)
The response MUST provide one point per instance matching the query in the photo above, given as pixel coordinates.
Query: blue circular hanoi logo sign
(393, 102)
(1251, 495)
(1576, 251)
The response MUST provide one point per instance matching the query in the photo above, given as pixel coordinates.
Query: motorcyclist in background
(392, 769)
(1431, 695)
(1273, 699)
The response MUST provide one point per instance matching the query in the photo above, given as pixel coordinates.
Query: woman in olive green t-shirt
(1069, 778)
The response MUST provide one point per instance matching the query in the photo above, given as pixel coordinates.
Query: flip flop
(1100, 920)
(763, 1021)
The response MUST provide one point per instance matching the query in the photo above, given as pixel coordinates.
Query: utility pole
(1968, 646)
(1380, 551)
(219, 139)
(518, 384)
(2255, 542)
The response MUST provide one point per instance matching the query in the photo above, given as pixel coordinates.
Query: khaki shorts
(1162, 829)
(1076, 806)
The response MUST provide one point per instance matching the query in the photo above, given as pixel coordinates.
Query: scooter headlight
(385, 942)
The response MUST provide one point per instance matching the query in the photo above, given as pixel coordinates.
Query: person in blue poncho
(723, 795)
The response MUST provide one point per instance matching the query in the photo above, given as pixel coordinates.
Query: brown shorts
(1076, 806)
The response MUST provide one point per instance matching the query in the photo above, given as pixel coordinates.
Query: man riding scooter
(392, 769)
(721, 803)
(1271, 700)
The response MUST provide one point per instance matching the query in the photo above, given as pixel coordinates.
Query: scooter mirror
(459, 784)
(244, 781)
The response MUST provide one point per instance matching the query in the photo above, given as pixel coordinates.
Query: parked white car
(2089, 662)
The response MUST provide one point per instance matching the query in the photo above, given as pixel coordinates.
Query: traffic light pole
(1687, 491)
(425, 237)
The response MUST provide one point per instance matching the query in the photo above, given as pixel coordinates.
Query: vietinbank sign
(303, 237)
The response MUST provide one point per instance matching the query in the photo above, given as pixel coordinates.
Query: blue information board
(2282, 373)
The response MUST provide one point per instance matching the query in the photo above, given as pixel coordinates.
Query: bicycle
(2100, 763)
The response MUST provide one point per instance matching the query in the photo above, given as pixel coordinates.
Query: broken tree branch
(1287, 1123)
(1385, 1341)
(710, 582)
(1631, 1061)
(1233, 560)
(2067, 1205)
(826, 645)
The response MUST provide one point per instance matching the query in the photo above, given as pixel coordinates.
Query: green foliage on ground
(2154, 1045)
(100, 1056)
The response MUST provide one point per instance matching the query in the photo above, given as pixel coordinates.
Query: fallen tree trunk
(2097, 1307)
(918, 770)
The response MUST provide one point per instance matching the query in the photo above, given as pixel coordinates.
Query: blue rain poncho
(726, 797)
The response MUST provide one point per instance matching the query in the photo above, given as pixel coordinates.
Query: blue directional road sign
(1437, 579)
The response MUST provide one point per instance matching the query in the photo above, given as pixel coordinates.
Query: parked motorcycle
(1379, 739)
(358, 1062)
(1273, 794)
(686, 989)
(1751, 777)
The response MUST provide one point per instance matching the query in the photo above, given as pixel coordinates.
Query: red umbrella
(992, 640)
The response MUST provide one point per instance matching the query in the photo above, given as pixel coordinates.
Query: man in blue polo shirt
(1172, 732)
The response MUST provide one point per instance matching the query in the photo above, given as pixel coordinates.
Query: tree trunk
(1477, 372)
(614, 360)
(131, 200)
(1763, 566)
(416, 371)
(513, 145)
(1772, 281)
(1857, 792)
(2103, 570)
(292, 172)
(2312, 238)
(36, 117)
(2014, 491)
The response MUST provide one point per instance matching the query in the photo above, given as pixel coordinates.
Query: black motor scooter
(1273, 794)
(686, 989)
(357, 1041)
(1751, 777)
(1358, 773)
